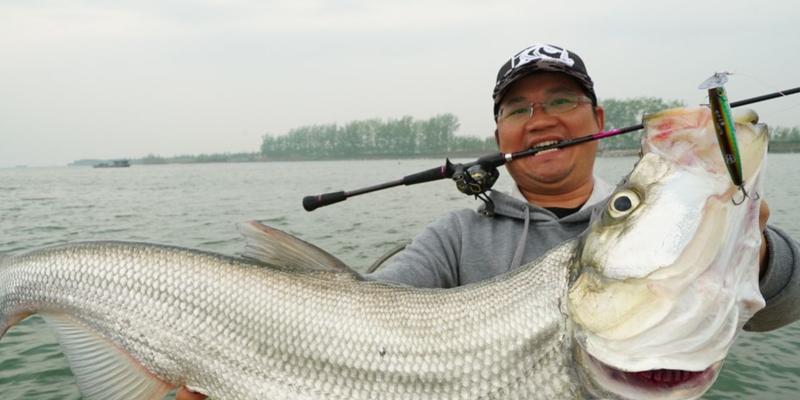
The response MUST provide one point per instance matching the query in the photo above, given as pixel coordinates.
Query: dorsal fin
(278, 248)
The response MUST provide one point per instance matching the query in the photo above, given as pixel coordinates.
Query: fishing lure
(725, 128)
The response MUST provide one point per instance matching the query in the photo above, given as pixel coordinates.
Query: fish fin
(103, 370)
(278, 248)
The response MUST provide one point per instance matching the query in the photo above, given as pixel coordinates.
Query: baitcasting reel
(475, 180)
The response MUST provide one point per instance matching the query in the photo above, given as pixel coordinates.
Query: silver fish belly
(136, 320)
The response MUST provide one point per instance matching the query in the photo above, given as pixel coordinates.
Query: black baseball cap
(541, 57)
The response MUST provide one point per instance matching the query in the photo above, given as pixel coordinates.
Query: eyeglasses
(519, 112)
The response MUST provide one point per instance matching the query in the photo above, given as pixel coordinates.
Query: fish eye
(623, 203)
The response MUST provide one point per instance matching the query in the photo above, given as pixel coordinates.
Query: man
(544, 94)
(553, 193)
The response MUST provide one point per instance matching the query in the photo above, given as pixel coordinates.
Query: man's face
(559, 171)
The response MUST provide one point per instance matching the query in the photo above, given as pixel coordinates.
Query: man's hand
(186, 394)
(763, 216)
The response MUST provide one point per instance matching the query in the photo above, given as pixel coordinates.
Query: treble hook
(745, 196)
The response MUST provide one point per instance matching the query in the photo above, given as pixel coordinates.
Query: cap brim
(542, 66)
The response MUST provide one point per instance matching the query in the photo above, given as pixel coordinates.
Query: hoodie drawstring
(518, 253)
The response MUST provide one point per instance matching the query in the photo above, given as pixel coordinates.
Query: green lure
(724, 125)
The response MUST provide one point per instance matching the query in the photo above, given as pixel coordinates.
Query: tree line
(401, 137)
(784, 134)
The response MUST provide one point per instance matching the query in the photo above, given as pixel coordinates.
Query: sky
(124, 79)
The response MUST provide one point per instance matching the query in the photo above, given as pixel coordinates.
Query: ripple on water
(79, 207)
(282, 220)
(110, 230)
(11, 363)
(43, 229)
(45, 348)
(220, 244)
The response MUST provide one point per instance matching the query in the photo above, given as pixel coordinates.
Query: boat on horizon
(113, 164)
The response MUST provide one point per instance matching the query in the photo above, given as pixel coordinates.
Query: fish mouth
(657, 378)
(661, 383)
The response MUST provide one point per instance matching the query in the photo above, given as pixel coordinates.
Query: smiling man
(556, 81)
(544, 108)
(542, 94)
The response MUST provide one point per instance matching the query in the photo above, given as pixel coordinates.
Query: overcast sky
(113, 79)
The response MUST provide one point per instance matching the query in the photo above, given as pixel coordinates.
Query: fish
(667, 276)
(651, 294)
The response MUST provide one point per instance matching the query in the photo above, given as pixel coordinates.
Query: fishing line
(793, 104)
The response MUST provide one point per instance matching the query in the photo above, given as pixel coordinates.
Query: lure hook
(745, 196)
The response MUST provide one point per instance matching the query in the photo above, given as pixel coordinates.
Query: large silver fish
(648, 301)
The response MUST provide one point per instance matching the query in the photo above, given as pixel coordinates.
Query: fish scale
(240, 330)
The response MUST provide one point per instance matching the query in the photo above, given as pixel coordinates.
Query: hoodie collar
(600, 191)
(514, 205)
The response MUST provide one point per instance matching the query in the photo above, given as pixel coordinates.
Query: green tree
(438, 133)
(784, 134)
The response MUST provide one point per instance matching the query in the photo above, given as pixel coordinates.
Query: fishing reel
(475, 180)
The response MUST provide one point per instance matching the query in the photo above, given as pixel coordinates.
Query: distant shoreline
(457, 155)
(774, 147)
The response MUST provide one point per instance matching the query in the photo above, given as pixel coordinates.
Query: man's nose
(539, 119)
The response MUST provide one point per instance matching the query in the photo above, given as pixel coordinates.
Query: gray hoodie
(465, 246)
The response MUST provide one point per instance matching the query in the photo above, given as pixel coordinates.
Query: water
(199, 206)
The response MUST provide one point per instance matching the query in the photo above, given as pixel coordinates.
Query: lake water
(199, 206)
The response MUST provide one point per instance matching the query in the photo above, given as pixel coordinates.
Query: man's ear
(600, 117)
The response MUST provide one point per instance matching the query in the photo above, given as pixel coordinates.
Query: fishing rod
(476, 177)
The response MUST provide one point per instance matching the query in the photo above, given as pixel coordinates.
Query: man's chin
(544, 178)
(604, 381)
